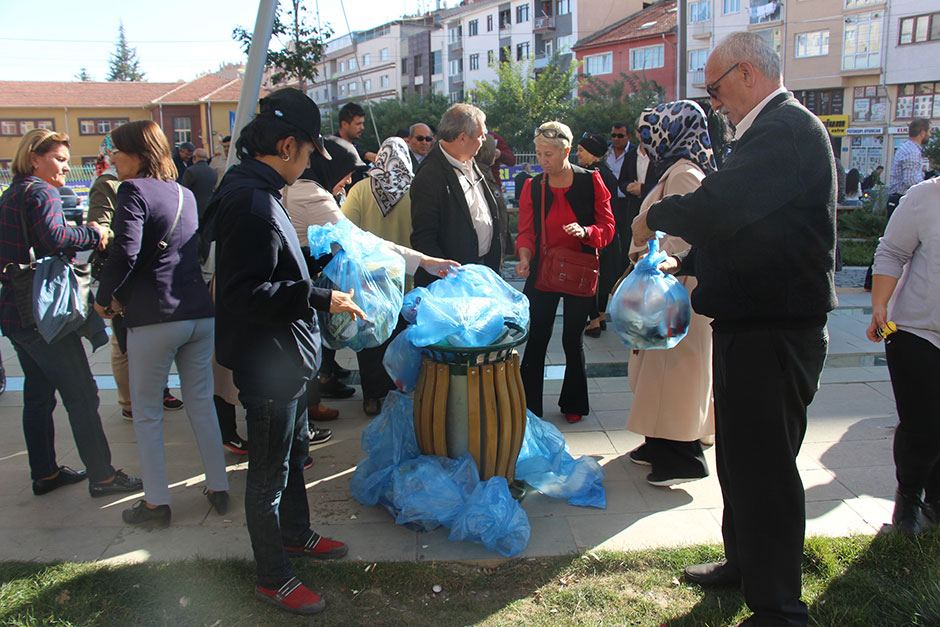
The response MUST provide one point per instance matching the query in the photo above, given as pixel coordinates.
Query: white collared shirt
(472, 185)
(741, 128)
(615, 164)
(642, 166)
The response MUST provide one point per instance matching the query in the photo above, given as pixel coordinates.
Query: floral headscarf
(103, 163)
(391, 173)
(676, 130)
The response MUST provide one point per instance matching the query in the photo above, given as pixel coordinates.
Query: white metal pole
(254, 72)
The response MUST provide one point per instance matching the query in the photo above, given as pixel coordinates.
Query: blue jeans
(60, 366)
(276, 508)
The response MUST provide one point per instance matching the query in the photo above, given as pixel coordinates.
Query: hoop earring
(285, 159)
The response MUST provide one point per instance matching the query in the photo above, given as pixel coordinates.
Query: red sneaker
(293, 597)
(572, 418)
(319, 548)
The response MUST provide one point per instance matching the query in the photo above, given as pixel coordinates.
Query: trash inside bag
(430, 491)
(546, 465)
(361, 262)
(402, 361)
(650, 309)
(494, 519)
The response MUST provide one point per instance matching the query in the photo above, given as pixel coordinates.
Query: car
(72, 205)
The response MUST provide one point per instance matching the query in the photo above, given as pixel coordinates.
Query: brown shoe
(372, 406)
(321, 413)
(713, 574)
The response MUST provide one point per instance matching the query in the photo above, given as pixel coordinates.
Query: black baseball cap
(297, 109)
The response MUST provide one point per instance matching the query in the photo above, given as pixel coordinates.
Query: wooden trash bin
(471, 399)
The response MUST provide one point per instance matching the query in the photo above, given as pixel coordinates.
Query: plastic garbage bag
(411, 302)
(481, 281)
(60, 305)
(402, 361)
(494, 519)
(430, 491)
(545, 463)
(458, 321)
(650, 309)
(387, 441)
(363, 263)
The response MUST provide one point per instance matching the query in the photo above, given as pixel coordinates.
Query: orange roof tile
(80, 94)
(658, 19)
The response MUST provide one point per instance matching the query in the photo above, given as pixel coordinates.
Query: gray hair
(750, 47)
(413, 127)
(460, 118)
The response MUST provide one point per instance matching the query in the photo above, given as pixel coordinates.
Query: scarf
(327, 173)
(673, 131)
(391, 174)
(103, 163)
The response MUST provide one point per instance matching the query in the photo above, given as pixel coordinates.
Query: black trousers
(542, 306)
(914, 364)
(624, 211)
(375, 381)
(764, 379)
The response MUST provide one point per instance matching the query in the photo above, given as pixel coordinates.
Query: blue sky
(180, 40)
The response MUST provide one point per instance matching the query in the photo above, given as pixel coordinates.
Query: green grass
(858, 253)
(882, 580)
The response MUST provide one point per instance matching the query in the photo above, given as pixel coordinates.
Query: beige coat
(672, 389)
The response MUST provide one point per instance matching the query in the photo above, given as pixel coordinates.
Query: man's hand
(634, 188)
(105, 233)
(437, 266)
(669, 265)
(641, 231)
(342, 302)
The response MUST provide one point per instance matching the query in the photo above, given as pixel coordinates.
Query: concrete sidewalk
(846, 464)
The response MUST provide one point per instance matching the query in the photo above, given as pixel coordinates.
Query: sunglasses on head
(551, 133)
(618, 135)
(424, 138)
(712, 88)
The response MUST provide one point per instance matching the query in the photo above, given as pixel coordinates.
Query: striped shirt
(48, 233)
(908, 167)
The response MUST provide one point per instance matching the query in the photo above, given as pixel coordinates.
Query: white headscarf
(391, 173)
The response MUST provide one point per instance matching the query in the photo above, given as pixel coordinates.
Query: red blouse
(599, 234)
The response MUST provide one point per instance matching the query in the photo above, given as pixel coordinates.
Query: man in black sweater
(762, 231)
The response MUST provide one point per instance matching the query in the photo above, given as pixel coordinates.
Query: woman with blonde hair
(577, 216)
(152, 276)
(31, 218)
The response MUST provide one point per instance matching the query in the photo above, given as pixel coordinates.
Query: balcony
(764, 11)
(701, 29)
(698, 77)
(544, 24)
(541, 61)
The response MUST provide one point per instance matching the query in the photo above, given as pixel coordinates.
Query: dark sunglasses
(712, 88)
(424, 138)
(550, 133)
(618, 135)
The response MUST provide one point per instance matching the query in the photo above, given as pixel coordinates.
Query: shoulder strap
(163, 243)
(23, 226)
(543, 235)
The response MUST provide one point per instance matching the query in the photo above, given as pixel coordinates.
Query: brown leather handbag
(563, 270)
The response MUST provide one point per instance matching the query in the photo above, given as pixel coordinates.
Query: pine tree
(83, 76)
(124, 64)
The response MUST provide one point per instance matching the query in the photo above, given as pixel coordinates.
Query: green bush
(863, 223)
(858, 253)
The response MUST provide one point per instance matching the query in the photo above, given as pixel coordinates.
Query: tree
(391, 115)
(302, 45)
(83, 76)
(932, 147)
(521, 99)
(124, 64)
(621, 100)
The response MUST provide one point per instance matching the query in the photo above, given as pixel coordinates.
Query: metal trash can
(472, 399)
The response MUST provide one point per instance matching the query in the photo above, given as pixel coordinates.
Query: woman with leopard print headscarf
(672, 389)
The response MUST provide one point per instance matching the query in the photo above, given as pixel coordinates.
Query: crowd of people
(210, 268)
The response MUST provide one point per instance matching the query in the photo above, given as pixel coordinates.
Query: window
(918, 100)
(342, 90)
(383, 80)
(473, 28)
(14, 128)
(548, 48)
(474, 61)
(352, 64)
(504, 55)
(505, 19)
(821, 101)
(367, 85)
(8, 127)
(342, 67)
(700, 11)
(697, 59)
(182, 130)
(861, 48)
(763, 11)
(856, 4)
(353, 86)
(404, 66)
(102, 126)
(489, 23)
(564, 44)
(490, 57)
(383, 54)
(772, 36)
(46, 124)
(453, 35)
(599, 64)
(647, 58)
(418, 65)
(26, 126)
(436, 62)
(564, 7)
(522, 51)
(814, 44)
(456, 67)
(366, 59)
(730, 6)
(522, 13)
(920, 28)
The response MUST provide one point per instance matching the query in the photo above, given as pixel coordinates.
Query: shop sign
(865, 130)
(897, 130)
(835, 124)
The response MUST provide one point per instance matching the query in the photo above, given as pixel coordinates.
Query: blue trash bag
(387, 441)
(58, 308)
(409, 306)
(650, 309)
(363, 263)
(402, 361)
(430, 491)
(482, 281)
(545, 463)
(494, 519)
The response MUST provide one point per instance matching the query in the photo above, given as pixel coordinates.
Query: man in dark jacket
(453, 211)
(762, 230)
(183, 158)
(200, 179)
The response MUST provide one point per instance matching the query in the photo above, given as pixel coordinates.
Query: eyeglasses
(712, 88)
(618, 135)
(551, 133)
(424, 138)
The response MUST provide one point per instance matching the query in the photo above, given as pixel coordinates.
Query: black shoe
(640, 456)
(236, 445)
(906, 517)
(66, 476)
(170, 402)
(308, 463)
(334, 388)
(713, 574)
(218, 499)
(664, 480)
(372, 406)
(3, 380)
(319, 436)
(120, 483)
(341, 373)
(140, 514)
(593, 332)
